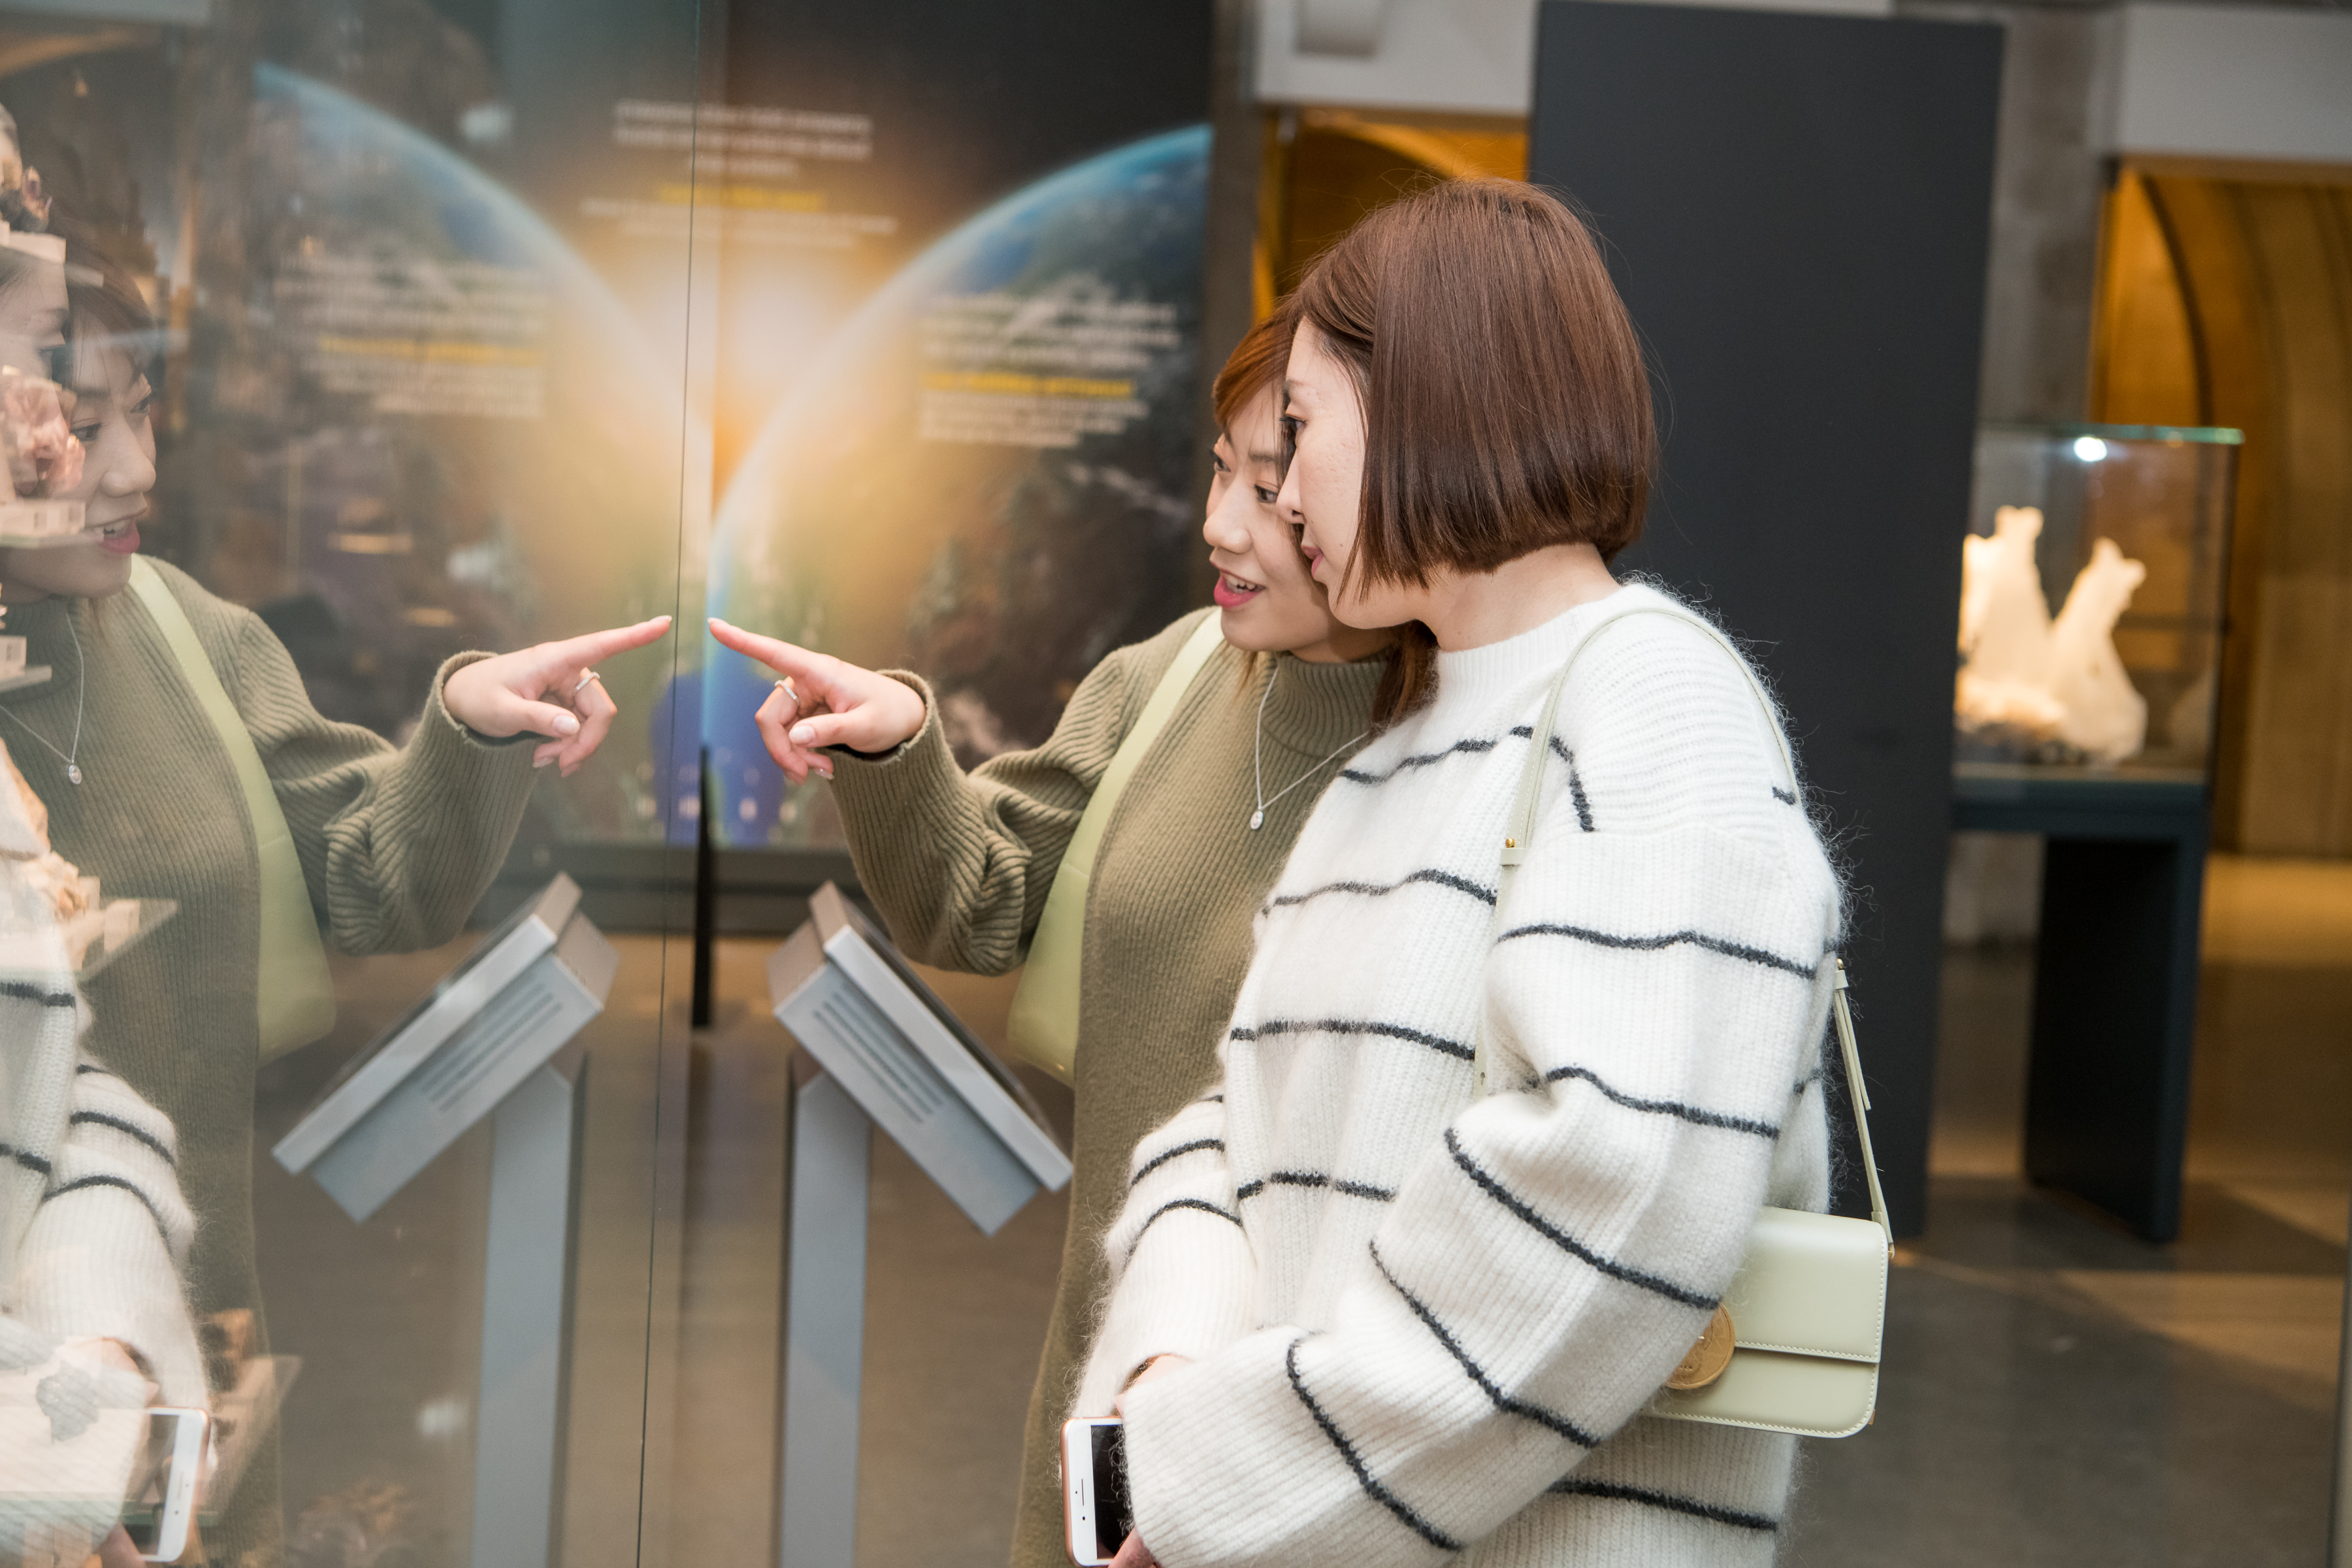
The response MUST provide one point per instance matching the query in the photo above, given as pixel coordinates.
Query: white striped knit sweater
(1421, 1322)
(93, 1230)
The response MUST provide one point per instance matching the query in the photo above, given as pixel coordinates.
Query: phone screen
(1113, 1516)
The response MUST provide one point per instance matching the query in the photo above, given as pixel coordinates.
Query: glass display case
(2091, 600)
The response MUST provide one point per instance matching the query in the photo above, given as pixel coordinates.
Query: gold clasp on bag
(1708, 1356)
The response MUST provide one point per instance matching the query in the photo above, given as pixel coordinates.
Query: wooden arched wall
(2227, 300)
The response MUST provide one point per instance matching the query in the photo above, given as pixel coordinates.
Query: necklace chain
(1257, 752)
(81, 693)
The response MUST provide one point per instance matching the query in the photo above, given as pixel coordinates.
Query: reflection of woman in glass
(390, 848)
(961, 865)
(93, 1229)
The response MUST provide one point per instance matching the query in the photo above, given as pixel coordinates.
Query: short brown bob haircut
(1506, 405)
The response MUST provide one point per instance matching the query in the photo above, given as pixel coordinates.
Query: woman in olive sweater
(959, 865)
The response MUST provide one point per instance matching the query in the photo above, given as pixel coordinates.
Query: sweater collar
(1476, 676)
(1314, 708)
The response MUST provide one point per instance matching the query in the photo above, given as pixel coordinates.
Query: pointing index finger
(781, 657)
(594, 646)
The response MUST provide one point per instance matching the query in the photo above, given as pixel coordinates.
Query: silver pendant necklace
(81, 692)
(1257, 818)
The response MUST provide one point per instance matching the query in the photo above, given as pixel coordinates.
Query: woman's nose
(127, 474)
(1224, 532)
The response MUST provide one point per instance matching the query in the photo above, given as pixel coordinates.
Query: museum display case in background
(2092, 598)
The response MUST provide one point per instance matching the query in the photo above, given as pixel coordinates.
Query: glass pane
(2091, 609)
(338, 342)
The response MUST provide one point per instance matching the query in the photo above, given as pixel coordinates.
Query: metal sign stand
(895, 1057)
(493, 1040)
(524, 1392)
(824, 1327)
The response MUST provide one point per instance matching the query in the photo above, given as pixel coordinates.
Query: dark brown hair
(1506, 405)
(1256, 362)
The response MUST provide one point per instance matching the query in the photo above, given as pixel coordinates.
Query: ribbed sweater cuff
(886, 795)
(113, 1280)
(1186, 1292)
(443, 725)
(1208, 1447)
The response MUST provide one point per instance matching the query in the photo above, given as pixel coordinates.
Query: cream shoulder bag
(296, 994)
(1043, 1028)
(1794, 1347)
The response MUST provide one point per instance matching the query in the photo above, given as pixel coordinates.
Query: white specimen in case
(2005, 630)
(2046, 682)
(2106, 719)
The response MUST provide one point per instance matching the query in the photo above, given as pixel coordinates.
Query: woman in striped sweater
(93, 1230)
(1360, 1314)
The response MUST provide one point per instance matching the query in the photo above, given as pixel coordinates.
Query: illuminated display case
(2091, 606)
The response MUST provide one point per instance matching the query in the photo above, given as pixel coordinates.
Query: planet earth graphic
(454, 430)
(986, 475)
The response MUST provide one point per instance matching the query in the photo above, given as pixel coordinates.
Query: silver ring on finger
(585, 676)
(785, 686)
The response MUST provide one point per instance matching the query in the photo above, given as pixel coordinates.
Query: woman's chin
(77, 571)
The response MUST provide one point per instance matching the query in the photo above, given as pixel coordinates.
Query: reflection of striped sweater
(1423, 1322)
(93, 1230)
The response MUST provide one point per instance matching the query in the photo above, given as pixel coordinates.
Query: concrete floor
(2055, 1391)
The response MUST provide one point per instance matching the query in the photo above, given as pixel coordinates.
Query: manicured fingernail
(803, 734)
(541, 761)
(824, 774)
(565, 724)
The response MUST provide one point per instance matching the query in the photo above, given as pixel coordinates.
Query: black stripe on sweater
(26, 1158)
(1194, 1147)
(1567, 1243)
(1355, 775)
(22, 991)
(1171, 1206)
(1739, 950)
(1372, 1488)
(82, 1067)
(1437, 1043)
(129, 1130)
(1502, 1402)
(85, 1183)
(1484, 894)
(1575, 1486)
(1785, 796)
(1248, 1190)
(1690, 1113)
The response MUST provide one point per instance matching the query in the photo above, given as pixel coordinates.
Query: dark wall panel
(1797, 211)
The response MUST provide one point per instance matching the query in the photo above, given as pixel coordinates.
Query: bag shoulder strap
(296, 1001)
(1043, 1025)
(1085, 843)
(1518, 836)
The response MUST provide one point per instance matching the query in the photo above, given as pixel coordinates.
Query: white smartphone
(1094, 1489)
(163, 1495)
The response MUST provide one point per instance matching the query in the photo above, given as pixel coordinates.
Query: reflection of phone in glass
(1094, 1489)
(163, 1495)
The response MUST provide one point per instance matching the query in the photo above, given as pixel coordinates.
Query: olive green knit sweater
(398, 847)
(959, 867)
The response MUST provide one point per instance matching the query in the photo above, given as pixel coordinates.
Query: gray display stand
(490, 1041)
(893, 1055)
